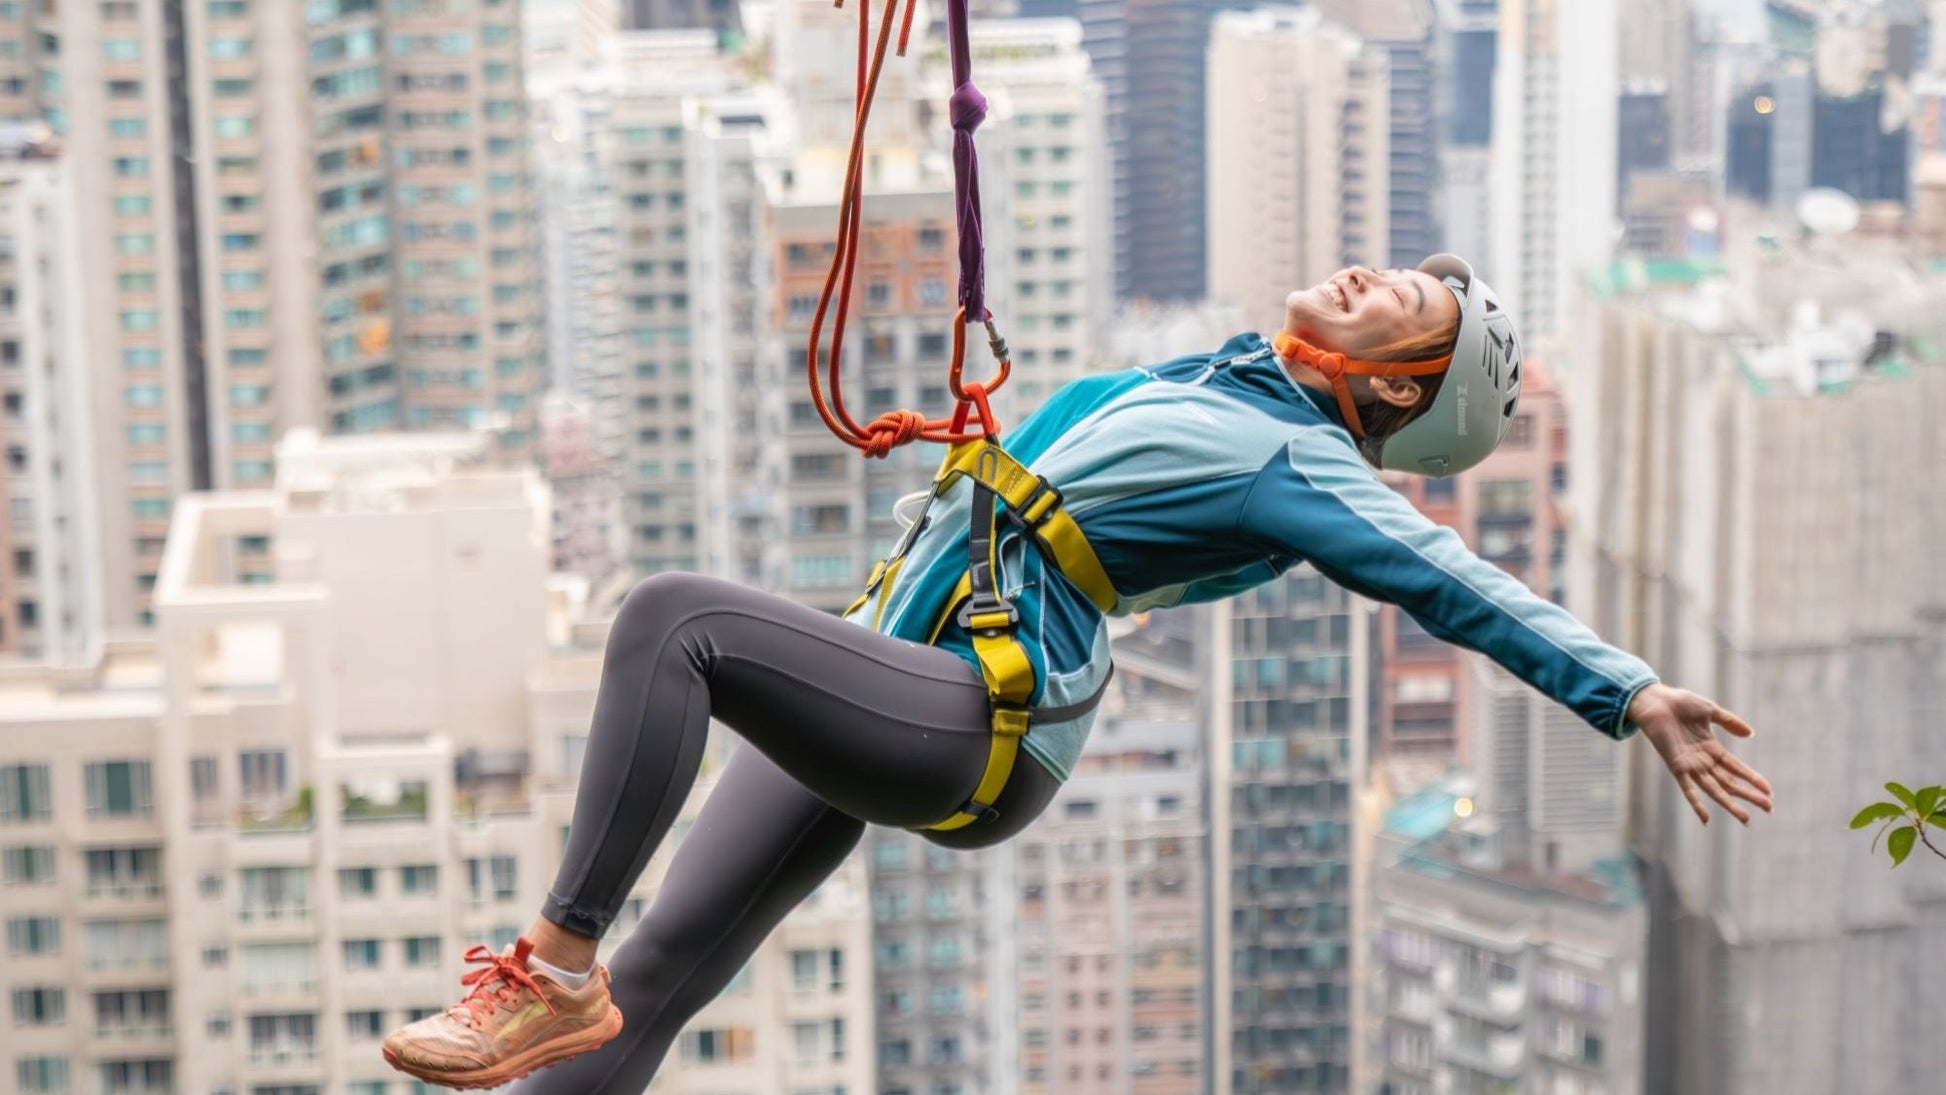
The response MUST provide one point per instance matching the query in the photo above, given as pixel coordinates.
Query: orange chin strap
(1336, 367)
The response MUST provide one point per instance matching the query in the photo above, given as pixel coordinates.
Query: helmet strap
(1337, 368)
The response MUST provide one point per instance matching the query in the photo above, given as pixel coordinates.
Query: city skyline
(357, 357)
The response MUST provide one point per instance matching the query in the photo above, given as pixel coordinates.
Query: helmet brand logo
(1462, 409)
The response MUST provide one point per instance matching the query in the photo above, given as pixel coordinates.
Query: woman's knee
(659, 601)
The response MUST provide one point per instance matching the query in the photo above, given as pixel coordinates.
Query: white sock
(561, 976)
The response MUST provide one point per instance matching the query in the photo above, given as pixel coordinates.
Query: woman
(1192, 480)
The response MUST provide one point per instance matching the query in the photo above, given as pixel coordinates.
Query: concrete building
(658, 79)
(1046, 173)
(50, 545)
(1492, 977)
(1405, 30)
(1288, 702)
(570, 67)
(1307, 103)
(238, 850)
(1552, 191)
(1103, 970)
(292, 233)
(1724, 543)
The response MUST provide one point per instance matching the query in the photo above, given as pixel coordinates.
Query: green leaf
(1928, 799)
(1899, 792)
(1901, 844)
(1939, 820)
(1877, 811)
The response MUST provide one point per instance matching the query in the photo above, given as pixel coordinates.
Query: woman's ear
(1400, 391)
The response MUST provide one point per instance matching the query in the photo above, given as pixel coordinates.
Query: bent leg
(760, 845)
(887, 731)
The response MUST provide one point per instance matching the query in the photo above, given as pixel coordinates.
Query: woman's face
(1358, 312)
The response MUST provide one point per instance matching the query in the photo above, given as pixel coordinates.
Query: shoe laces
(498, 979)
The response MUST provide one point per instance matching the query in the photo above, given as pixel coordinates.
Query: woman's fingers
(1716, 791)
(1729, 721)
(1688, 785)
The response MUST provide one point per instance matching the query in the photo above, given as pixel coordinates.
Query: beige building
(1299, 143)
(1551, 173)
(1490, 976)
(50, 542)
(236, 852)
(1764, 530)
(1105, 963)
(299, 215)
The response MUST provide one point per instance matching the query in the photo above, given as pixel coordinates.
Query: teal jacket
(1200, 478)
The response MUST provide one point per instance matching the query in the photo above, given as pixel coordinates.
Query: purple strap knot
(968, 108)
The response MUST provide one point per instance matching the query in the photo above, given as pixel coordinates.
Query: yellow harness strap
(988, 617)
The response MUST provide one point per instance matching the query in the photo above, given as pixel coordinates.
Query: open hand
(1680, 726)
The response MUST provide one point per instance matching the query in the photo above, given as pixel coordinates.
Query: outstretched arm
(1321, 502)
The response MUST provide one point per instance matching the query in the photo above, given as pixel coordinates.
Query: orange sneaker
(514, 1021)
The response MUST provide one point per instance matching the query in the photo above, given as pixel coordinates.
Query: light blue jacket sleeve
(1319, 501)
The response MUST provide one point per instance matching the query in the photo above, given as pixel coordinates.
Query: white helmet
(1476, 402)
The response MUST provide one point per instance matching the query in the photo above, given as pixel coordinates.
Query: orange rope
(894, 428)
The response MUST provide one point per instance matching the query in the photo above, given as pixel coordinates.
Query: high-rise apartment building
(1103, 970)
(300, 215)
(238, 850)
(1467, 37)
(1404, 29)
(1551, 209)
(1288, 700)
(652, 167)
(50, 542)
(1724, 542)
(1152, 57)
(1305, 104)
(1048, 196)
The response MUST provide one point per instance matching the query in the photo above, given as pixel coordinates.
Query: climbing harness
(972, 433)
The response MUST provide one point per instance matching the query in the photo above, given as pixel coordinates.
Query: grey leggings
(841, 727)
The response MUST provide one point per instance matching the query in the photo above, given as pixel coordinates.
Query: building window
(119, 788)
(34, 935)
(24, 794)
(38, 1074)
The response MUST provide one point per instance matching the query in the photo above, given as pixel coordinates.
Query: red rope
(894, 428)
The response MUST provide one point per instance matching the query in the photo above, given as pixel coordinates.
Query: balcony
(130, 1032)
(1502, 1004)
(274, 914)
(124, 889)
(294, 1055)
(1501, 1055)
(294, 815)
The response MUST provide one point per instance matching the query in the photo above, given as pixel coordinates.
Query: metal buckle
(970, 609)
(1041, 491)
(982, 813)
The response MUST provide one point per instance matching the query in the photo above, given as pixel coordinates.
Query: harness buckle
(987, 620)
(1038, 506)
(982, 813)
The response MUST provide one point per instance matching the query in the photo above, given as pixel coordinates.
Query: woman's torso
(1155, 465)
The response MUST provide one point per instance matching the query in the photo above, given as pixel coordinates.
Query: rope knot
(892, 429)
(967, 108)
